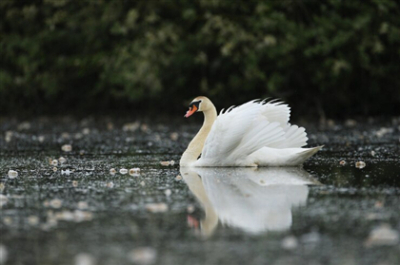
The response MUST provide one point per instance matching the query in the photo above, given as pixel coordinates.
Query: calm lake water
(66, 207)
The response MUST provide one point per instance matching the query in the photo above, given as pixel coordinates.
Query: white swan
(253, 200)
(257, 133)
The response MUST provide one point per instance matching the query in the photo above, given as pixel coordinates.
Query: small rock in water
(56, 203)
(66, 148)
(342, 162)
(134, 171)
(360, 164)
(12, 174)
(190, 209)
(84, 259)
(33, 220)
(65, 172)
(168, 192)
(174, 136)
(143, 255)
(3, 254)
(289, 242)
(142, 183)
(75, 183)
(167, 163)
(9, 135)
(179, 177)
(62, 160)
(55, 169)
(373, 153)
(350, 123)
(80, 216)
(110, 185)
(156, 207)
(113, 171)
(383, 235)
(83, 205)
(54, 162)
(86, 131)
(130, 127)
(123, 171)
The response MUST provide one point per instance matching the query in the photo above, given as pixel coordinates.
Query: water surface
(325, 213)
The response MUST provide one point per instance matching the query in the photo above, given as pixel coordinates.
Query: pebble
(174, 136)
(66, 148)
(289, 242)
(113, 171)
(157, 207)
(383, 235)
(167, 163)
(65, 216)
(33, 220)
(373, 153)
(75, 183)
(110, 185)
(179, 177)
(168, 192)
(54, 162)
(62, 160)
(56, 203)
(342, 162)
(9, 135)
(130, 127)
(143, 255)
(83, 205)
(360, 164)
(142, 183)
(80, 216)
(123, 171)
(134, 171)
(12, 174)
(84, 259)
(190, 209)
(65, 172)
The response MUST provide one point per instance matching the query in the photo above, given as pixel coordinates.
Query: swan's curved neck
(196, 145)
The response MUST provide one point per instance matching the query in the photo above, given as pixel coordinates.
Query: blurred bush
(333, 57)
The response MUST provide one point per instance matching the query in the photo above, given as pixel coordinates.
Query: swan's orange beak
(191, 110)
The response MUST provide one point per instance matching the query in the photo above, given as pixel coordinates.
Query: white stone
(12, 174)
(66, 148)
(143, 255)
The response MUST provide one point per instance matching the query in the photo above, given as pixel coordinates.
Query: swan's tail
(306, 154)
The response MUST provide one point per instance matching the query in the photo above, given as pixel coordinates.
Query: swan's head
(198, 104)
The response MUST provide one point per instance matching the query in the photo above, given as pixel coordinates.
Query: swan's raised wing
(238, 132)
(295, 136)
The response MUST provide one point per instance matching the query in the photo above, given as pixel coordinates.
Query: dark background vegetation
(325, 58)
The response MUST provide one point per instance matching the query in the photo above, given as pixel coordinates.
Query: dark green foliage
(335, 57)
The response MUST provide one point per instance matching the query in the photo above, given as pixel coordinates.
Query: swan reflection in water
(253, 200)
